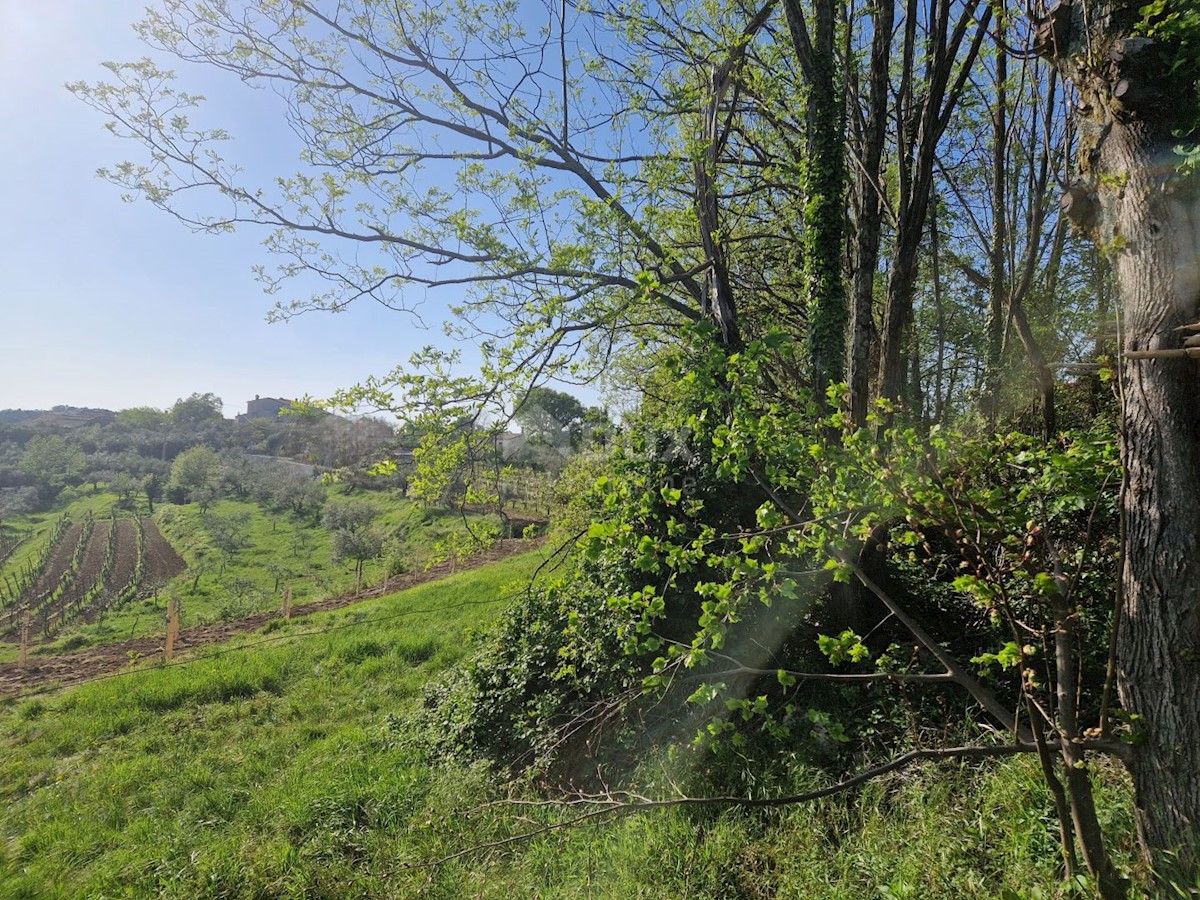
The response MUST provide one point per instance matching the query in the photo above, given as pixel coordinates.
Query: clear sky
(111, 304)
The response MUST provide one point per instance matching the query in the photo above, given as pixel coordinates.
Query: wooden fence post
(172, 626)
(287, 602)
(24, 658)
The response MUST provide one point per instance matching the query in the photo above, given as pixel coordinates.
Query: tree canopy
(53, 462)
(673, 199)
(194, 411)
(550, 415)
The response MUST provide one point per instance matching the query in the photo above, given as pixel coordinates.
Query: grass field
(290, 770)
(279, 549)
(254, 773)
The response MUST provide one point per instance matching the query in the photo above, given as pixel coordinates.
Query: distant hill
(66, 417)
(14, 416)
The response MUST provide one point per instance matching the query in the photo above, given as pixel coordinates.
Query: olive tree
(354, 538)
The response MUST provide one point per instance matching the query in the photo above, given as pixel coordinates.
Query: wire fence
(134, 669)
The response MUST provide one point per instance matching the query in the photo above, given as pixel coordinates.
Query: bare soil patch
(60, 561)
(126, 562)
(89, 569)
(162, 562)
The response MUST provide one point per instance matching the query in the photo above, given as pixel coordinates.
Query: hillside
(94, 570)
(294, 763)
(104, 659)
(227, 761)
(852, 349)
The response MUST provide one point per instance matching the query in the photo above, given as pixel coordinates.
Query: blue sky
(105, 303)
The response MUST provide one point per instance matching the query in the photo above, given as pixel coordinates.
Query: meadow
(292, 763)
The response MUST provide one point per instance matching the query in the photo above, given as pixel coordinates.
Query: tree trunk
(824, 208)
(1158, 650)
(1147, 219)
(939, 306)
(870, 137)
(925, 100)
(1041, 369)
(897, 319)
(998, 275)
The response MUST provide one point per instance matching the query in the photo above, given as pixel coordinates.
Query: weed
(31, 709)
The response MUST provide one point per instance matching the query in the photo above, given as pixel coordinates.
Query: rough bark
(868, 138)
(1147, 218)
(1159, 646)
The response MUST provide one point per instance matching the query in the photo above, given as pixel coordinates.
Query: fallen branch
(608, 806)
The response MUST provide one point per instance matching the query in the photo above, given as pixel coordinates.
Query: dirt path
(72, 668)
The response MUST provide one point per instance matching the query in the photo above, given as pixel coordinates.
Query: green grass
(229, 776)
(290, 770)
(282, 549)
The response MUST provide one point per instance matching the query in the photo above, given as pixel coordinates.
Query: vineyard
(9, 545)
(82, 569)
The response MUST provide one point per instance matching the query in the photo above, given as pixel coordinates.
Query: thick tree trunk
(825, 208)
(1146, 215)
(824, 181)
(1159, 646)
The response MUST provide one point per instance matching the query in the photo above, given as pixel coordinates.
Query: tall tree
(194, 411)
(824, 186)
(432, 144)
(868, 137)
(941, 41)
(555, 416)
(1136, 74)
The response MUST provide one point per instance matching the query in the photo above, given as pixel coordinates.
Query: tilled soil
(85, 665)
(126, 562)
(89, 569)
(162, 562)
(56, 566)
(60, 561)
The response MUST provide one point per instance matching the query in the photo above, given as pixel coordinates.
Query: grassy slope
(236, 776)
(299, 549)
(286, 771)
